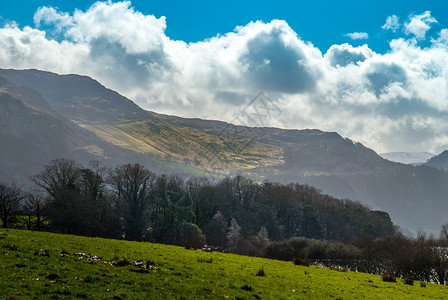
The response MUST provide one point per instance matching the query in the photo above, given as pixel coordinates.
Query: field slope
(45, 265)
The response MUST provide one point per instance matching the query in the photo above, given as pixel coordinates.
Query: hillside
(111, 128)
(46, 265)
(439, 161)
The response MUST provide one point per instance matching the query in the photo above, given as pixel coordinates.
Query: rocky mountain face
(44, 116)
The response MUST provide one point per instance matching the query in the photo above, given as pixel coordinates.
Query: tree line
(131, 202)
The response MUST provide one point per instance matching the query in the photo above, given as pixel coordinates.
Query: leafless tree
(133, 184)
(61, 174)
(10, 199)
(444, 232)
(34, 206)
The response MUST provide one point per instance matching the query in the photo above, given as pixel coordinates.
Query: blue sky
(323, 23)
(373, 71)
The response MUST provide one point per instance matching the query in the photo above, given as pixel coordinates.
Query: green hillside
(45, 265)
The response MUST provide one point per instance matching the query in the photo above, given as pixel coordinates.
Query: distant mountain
(439, 161)
(32, 134)
(45, 116)
(76, 97)
(409, 158)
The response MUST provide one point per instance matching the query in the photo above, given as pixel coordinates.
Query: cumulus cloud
(442, 39)
(391, 23)
(418, 25)
(358, 35)
(390, 102)
(342, 55)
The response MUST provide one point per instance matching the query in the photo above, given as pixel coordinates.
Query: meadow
(43, 265)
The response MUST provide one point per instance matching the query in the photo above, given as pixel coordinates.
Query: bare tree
(92, 180)
(10, 199)
(34, 206)
(58, 176)
(133, 184)
(444, 232)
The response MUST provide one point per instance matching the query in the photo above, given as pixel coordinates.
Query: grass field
(43, 265)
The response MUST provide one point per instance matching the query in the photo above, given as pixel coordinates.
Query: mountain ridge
(119, 131)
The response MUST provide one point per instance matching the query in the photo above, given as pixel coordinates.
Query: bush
(316, 249)
(301, 262)
(298, 244)
(192, 236)
(389, 278)
(261, 272)
(339, 250)
(408, 280)
(280, 250)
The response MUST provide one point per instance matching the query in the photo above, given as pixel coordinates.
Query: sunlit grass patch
(45, 265)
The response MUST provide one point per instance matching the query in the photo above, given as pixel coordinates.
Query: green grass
(32, 266)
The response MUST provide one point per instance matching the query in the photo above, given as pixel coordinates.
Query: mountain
(92, 122)
(439, 161)
(33, 134)
(409, 158)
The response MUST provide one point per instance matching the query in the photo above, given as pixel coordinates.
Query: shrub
(298, 244)
(316, 249)
(192, 236)
(279, 250)
(408, 280)
(206, 260)
(301, 262)
(389, 278)
(261, 272)
(189, 246)
(246, 288)
(339, 250)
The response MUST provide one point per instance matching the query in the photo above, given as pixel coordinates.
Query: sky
(373, 71)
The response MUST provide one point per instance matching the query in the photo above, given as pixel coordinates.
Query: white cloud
(418, 25)
(358, 35)
(342, 55)
(391, 23)
(443, 37)
(390, 102)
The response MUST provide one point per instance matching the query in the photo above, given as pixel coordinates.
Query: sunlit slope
(45, 265)
(209, 151)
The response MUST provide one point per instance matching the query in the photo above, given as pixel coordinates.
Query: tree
(92, 180)
(311, 225)
(68, 210)
(192, 235)
(76, 198)
(10, 199)
(216, 231)
(262, 238)
(171, 207)
(444, 232)
(35, 205)
(133, 184)
(61, 174)
(233, 235)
